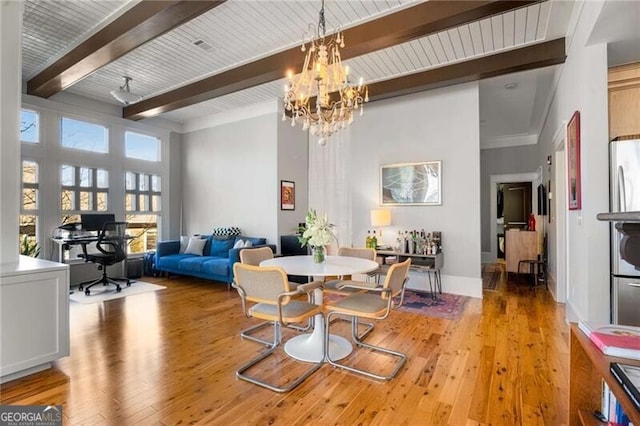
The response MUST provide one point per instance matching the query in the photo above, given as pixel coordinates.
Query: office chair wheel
(87, 292)
(80, 287)
(128, 284)
(118, 289)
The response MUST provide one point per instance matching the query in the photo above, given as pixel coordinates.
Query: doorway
(513, 206)
(495, 180)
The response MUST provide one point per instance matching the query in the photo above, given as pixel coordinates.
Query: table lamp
(380, 218)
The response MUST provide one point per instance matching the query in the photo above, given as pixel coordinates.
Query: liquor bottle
(399, 245)
(368, 240)
(374, 241)
(412, 245)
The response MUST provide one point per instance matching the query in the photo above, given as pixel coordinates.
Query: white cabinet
(34, 316)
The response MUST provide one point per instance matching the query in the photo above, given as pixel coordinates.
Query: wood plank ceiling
(386, 41)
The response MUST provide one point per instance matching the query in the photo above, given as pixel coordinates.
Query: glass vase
(318, 254)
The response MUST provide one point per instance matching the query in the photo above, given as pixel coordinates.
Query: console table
(425, 263)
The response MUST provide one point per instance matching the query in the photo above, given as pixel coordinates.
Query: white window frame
(88, 121)
(77, 189)
(158, 151)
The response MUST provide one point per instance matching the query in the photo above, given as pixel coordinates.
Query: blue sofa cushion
(171, 261)
(216, 266)
(193, 264)
(220, 247)
(254, 241)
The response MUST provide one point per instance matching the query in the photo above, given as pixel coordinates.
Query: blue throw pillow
(220, 248)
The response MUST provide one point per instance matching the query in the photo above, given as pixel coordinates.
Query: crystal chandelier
(321, 96)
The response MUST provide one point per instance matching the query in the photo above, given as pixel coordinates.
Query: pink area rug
(445, 306)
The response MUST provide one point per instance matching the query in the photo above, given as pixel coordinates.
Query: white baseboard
(464, 286)
(571, 314)
(487, 257)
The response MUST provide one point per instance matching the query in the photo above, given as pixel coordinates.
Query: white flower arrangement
(317, 232)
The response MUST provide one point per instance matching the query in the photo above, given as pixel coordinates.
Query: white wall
(10, 77)
(582, 86)
(230, 178)
(293, 165)
(173, 209)
(436, 125)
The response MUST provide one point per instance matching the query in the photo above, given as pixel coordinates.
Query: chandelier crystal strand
(324, 78)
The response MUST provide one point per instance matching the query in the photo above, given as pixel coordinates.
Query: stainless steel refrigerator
(624, 155)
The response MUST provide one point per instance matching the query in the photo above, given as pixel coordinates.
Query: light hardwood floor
(169, 358)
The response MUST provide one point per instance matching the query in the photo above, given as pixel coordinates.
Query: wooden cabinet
(520, 245)
(624, 100)
(588, 366)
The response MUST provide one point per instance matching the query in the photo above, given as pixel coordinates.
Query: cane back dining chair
(348, 285)
(331, 285)
(373, 304)
(253, 256)
(266, 294)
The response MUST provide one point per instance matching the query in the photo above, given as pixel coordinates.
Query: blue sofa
(217, 260)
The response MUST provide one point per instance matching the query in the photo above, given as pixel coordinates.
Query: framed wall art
(573, 162)
(411, 184)
(287, 195)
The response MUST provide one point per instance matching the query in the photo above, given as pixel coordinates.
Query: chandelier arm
(324, 78)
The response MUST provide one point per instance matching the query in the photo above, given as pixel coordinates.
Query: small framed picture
(287, 195)
(573, 138)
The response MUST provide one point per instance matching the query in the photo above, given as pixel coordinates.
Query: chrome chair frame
(393, 301)
(265, 309)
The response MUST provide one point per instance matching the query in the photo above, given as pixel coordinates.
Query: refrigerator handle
(634, 284)
(622, 194)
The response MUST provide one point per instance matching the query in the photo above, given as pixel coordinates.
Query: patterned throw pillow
(226, 231)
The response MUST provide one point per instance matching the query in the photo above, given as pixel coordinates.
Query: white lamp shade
(380, 217)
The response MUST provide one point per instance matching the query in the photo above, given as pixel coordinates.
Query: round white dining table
(308, 347)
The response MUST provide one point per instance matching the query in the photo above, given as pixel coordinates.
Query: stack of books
(629, 377)
(611, 411)
(614, 340)
(624, 342)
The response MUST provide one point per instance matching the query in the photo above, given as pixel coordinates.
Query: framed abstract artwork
(411, 184)
(573, 162)
(287, 195)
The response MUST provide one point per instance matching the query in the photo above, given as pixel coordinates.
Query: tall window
(143, 204)
(85, 136)
(29, 126)
(84, 189)
(29, 209)
(142, 147)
